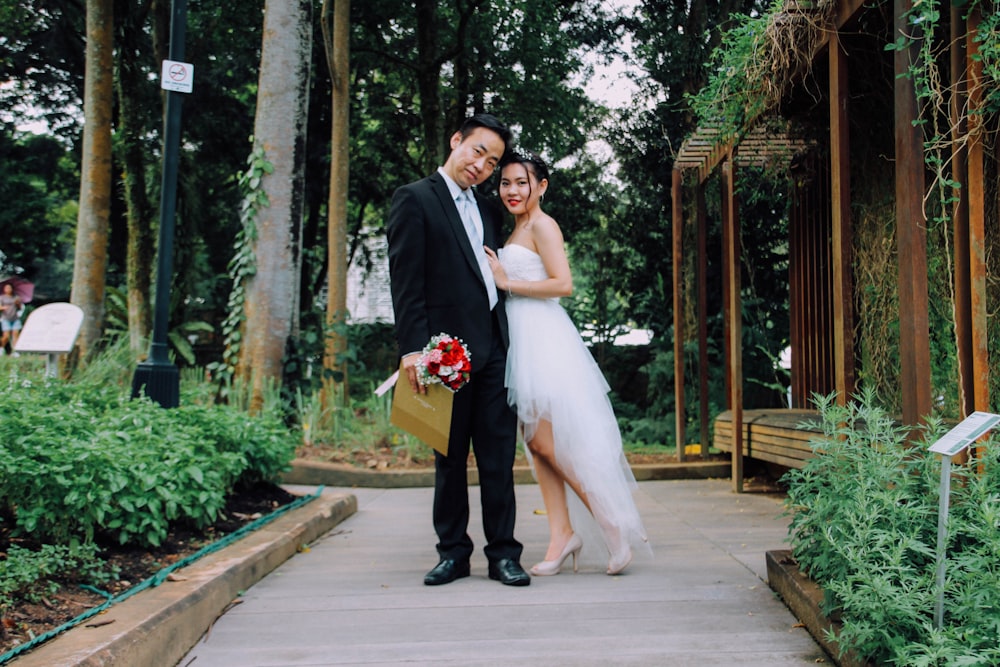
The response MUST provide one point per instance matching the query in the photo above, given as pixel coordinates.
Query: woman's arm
(548, 243)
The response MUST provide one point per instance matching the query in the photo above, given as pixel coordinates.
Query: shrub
(864, 515)
(264, 442)
(80, 461)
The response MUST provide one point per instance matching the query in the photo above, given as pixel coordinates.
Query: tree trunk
(272, 294)
(91, 254)
(139, 212)
(429, 84)
(337, 34)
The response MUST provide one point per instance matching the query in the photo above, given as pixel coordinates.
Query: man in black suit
(441, 283)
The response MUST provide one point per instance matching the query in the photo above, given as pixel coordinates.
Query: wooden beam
(841, 227)
(797, 301)
(726, 270)
(677, 205)
(911, 232)
(846, 11)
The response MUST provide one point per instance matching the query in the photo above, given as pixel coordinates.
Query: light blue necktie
(466, 209)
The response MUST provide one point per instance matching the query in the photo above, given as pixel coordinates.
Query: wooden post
(678, 275)
(841, 225)
(911, 233)
(960, 213)
(734, 317)
(701, 279)
(977, 223)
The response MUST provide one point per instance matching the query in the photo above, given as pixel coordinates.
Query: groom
(441, 283)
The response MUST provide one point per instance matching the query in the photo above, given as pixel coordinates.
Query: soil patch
(383, 457)
(386, 457)
(23, 621)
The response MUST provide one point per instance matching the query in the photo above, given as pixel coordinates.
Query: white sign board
(967, 432)
(177, 76)
(51, 329)
(954, 441)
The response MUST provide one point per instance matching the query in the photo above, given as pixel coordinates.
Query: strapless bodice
(522, 263)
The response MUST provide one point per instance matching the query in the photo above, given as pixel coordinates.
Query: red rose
(452, 356)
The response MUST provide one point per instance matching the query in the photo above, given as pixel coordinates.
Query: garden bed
(804, 598)
(28, 620)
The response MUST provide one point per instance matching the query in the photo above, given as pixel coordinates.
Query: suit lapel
(455, 222)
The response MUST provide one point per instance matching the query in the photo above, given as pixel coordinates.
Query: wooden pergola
(820, 244)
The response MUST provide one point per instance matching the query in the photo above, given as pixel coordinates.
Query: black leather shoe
(447, 571)
(509, 573)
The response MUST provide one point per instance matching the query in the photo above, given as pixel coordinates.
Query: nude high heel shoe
(549, 567)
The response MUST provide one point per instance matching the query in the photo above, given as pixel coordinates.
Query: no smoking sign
(177, 76)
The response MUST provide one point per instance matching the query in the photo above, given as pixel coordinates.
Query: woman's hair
(531, 161)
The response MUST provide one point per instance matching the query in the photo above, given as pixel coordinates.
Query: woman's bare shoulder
(546, 227)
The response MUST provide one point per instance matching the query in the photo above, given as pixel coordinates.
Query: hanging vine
(762, 58)
(935, 92)
(953, 114)
(242, 267)
(765, 58)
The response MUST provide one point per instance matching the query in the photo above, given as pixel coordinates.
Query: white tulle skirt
(551, 375)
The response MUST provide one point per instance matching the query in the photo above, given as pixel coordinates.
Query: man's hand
(410, 367)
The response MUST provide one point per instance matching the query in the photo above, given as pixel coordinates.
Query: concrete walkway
(356, 596)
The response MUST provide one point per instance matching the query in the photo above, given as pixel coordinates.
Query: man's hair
(489, 122)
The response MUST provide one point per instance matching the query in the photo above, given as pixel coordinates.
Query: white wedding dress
(552, 375)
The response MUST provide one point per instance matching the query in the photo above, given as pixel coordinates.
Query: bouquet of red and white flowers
(445, 360)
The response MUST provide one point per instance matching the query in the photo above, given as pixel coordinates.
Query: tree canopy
(416, 69)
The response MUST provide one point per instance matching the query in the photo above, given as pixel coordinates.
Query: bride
(556, 386)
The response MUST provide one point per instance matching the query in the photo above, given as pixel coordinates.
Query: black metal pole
(157, 377)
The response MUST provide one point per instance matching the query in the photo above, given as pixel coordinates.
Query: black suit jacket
(437, 286)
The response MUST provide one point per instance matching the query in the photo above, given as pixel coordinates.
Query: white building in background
(368, 297)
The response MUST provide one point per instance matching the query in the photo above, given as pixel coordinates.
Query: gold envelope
(427, 416)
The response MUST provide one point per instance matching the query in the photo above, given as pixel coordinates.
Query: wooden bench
(772, 435)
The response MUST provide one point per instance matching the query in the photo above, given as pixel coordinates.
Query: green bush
(864, 515)
(79, 461)
(263, 441)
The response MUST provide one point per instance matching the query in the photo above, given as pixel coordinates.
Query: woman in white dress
(556, 386)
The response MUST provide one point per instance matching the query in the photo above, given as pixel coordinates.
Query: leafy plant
(263, 442)
(100, 464)
(864, 526)
(30, 575)
(125, 469)
(116, 325)
(761, 56)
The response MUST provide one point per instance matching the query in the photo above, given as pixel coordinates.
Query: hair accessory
(518, 154)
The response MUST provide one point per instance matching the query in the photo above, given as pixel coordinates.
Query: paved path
(356, 597)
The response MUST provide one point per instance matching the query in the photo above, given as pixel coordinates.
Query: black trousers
(480, 415)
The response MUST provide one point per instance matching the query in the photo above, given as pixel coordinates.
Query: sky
(610, 85)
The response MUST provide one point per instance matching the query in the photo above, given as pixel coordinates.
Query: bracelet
(510, 289)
